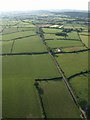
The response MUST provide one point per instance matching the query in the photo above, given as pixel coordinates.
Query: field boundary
(78, 74)
(62, 39)
(38, 88)
(18, 38)
(79, 51)
(23, 53)
(49, 79)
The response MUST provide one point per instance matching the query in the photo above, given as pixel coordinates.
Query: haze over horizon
(28, 5)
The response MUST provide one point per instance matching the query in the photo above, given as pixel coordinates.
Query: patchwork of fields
(32, 85)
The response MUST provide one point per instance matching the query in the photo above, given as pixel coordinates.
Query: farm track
(62, 74)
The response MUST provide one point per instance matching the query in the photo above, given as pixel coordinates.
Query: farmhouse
(58, 49)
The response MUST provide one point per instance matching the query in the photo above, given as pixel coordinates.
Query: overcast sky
(24, 5)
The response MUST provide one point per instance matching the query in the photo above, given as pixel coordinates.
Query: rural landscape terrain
(44, 64)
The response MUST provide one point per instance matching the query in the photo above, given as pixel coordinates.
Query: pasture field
(79, 25)
(81, 92)
(45, 69)
(7, 22)
(26, 29)
(68, 25)
(6, 46)
(85, 39)
(9, 30)
(30, 44)
(15, 29)
(71, 49)
(63, 43)
(17, 35)
(25, 24)
(0, 37)
(51, 30)
(19, 94)
(65, 61)
(84, 33)
(71, 36)
(53, 92)
(52, 37)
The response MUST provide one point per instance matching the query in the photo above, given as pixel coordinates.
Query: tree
(36, 84)
(62, 34)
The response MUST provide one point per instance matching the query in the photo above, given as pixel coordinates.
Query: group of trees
(62, 34)
(71, 29)
(65, 31)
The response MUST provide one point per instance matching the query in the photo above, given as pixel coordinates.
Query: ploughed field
(32, 86)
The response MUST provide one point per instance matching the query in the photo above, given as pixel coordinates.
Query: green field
(25, 24)
(10, 30)
(71, 35)
(52, 37)
(19, 94)
(51, 30)
(74, 48)
(84, 39)
(68, 25)
(80, 25)
(6, 46)
(63, 43)
(86, 33)
(81, 92)
(17, 35)
(53, 93)
(30, 44)
(26, 29)
(14, 29)
(65, 61)
(7, 22)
